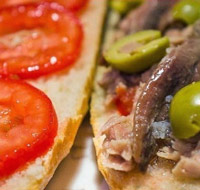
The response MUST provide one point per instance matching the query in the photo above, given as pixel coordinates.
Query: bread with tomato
(69, 92)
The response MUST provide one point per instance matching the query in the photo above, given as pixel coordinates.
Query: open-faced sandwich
(48, 52)
(146, 102)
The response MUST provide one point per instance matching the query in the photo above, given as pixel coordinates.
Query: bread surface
(69, 91)
(158, 175)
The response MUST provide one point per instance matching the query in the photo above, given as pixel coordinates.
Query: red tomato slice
(124, 100)
(28, 125)
(73, 5)
(46, 39)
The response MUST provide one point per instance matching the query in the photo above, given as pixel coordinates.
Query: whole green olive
(185, 112)
(123, 6)
(187, 11)
(137, 52)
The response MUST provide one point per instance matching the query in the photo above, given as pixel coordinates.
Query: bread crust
(69, 91)
(158, 175)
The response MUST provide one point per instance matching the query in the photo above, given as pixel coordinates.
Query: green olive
(137, 52)
(185, 112)
(123, 6)
(187, 10)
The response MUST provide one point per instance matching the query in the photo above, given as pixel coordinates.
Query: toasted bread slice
(69, 92)
(158, 175)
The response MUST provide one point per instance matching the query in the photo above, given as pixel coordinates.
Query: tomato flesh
(52, 40)
(73, 5)
(28, 125)
(124, 100)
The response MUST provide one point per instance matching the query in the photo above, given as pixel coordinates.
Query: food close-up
(99, 94)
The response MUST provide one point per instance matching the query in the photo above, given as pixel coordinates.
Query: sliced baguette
(158, 175)
(69, 92)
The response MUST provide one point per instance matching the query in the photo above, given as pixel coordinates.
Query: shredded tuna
(111, 80)
(188, 166)
(117, 145)
(168, 153)
(183, 147)
(177, 36)
(144, 16)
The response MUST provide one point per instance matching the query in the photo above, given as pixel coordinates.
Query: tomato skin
(72, 5)
(28, 125)
(53, 48)
(124, 100)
